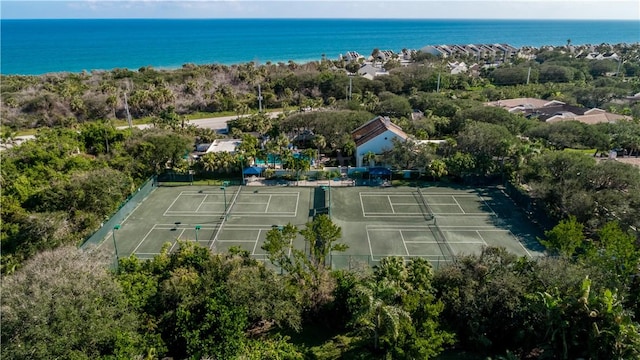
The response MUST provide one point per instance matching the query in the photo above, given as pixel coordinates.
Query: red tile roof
(374, 128)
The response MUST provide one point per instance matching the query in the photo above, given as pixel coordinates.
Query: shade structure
(379, 171)
(252, 170)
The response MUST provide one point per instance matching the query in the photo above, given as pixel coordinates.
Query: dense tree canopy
(191, 303)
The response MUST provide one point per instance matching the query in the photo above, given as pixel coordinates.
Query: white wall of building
(376, 145)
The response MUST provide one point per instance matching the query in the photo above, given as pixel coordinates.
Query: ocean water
(34, 47)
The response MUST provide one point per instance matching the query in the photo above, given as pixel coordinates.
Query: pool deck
(306, 183)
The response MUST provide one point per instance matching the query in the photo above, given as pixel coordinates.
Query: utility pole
(528, 75)
(438, 86)
(619, 64)
(126, 108)
(350, 87)
(259, 98)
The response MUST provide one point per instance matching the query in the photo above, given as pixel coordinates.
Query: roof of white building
(227, 145)
(375, 127)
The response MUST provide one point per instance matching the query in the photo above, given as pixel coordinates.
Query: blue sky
(428, 9)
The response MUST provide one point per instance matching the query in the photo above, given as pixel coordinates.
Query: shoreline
(73, 46)
(273, 62)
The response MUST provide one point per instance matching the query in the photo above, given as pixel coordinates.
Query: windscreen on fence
(123, 211)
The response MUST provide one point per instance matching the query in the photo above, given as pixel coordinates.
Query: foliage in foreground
(195, 304)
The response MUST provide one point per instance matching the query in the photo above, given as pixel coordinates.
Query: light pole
(197, 228)
(115, 244)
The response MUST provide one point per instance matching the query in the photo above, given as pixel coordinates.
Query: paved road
(216, 123)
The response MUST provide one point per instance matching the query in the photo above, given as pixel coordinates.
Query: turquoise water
(274, 159)
(40, 46)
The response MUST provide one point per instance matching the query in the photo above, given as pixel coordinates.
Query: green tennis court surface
(435, 223)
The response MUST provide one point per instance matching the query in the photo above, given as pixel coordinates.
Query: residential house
(369, 71)
(477, 51)
(554, 111)
(376, 136)
(458, 67)
(384, 55)
(600, 56)
(224, 145)
(519, 104)
(407, 54)
(436, 50)
(352, 56)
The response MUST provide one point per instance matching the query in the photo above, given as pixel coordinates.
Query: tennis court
(434, 223)
(214, 217)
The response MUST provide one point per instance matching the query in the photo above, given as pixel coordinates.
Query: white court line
(489, 206)
(266, 209)
(172, 246)
(295, 213)
(520, 242)
(476, 228)
(163, 227)
(421, 242)
(123, 221)
(481, 238)
(235, 241)
(449, 194)
(471, 214)
(174, 201)
(396, 215)
(369, 241)
(362, 207)
(264, 214)
(292, 193)
(457, 203)
(403, 242)
(256, 243)
(152, 254)
(394, 227)
(143, 239)
(247, 226)
(235, 213)
(364, 193)
(391, 204)
(466, 242)
(202, 202)
(192, 213)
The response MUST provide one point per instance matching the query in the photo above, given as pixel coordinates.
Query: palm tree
(241, 109)
(208, 162)
(379, 316)
(370, 101)
(309, 154)
(437, 169)
(320, 142)
(369, 157)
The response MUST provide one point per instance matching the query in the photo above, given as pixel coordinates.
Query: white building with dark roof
(376, 136)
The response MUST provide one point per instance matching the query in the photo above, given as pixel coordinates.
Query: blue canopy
(252, 170)
(378, 171)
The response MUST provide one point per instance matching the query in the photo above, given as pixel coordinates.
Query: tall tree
(322, 235)
(64, 303)
(565, 238)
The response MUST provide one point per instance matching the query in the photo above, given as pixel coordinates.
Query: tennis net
(443, 244)
(429, 214)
